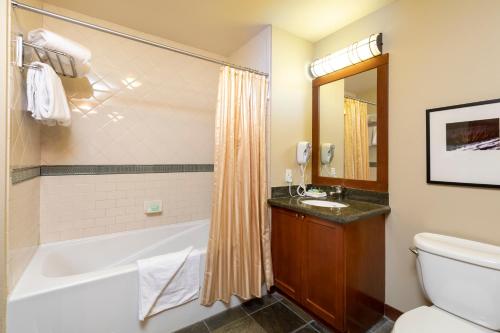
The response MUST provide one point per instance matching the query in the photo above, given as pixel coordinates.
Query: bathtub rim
(83, 240)
(22, 291)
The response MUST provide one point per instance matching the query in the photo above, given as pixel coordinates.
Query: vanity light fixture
(357, 52)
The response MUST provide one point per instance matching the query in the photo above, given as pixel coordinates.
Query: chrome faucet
(338, 191)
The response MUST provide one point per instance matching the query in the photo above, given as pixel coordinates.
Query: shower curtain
(239, 250)
(356, 155)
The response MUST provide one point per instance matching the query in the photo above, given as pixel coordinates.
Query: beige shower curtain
(356, 155)
(239, 254)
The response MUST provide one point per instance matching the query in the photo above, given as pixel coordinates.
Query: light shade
(356, 52)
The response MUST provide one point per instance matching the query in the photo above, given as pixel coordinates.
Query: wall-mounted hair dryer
(327, 153)
(304, 150)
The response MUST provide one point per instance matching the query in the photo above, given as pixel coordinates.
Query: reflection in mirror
(348, 127)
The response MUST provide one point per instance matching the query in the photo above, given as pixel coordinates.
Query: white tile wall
(23, 227)
(139, 105)
(24, 141)
(81, 206)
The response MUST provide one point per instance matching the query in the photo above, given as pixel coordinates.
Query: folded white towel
(51, 40)
(46, 97)
(167, 281)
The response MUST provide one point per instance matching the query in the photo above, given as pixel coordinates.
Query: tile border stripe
(63, 170)
(22, 174)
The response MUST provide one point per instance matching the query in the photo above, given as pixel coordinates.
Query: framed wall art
(463, 144)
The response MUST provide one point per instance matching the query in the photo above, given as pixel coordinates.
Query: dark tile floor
(270, 314)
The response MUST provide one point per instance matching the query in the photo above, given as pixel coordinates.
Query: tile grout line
(247, 315)
(379, 326)
(204, 323)
(255, 321)
(250, 315)
(262, 308)
(303, 326)
(233, 321)
(276, 300)
(313, 328)
(289, 308)
(295, 313)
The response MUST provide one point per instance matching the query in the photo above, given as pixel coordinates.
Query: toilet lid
(434, 320)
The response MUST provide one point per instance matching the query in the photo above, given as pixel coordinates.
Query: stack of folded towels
(45, 93)
(50, 40)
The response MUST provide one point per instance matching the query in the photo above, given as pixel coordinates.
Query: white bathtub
(90, 285)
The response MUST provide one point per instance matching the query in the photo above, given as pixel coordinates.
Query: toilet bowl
(431, 319)
(462, 280)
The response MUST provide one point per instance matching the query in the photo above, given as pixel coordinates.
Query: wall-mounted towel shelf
(16, 4)
(54, 58)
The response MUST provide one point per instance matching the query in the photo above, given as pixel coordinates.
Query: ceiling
(221, 26)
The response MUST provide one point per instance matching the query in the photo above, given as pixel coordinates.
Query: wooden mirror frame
(381, 63)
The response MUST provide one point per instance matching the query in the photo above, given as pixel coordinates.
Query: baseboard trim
(392, 313)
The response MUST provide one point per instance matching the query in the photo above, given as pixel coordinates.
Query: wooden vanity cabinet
(323, 270)
(286, 239)
(336, 271)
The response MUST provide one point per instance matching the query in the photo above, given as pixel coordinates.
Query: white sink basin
(323, 203)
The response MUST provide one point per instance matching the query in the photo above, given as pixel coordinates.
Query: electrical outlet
(288, 175)
(153, 207)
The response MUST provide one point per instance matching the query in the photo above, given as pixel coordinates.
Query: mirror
(348, 127)
(350, 131)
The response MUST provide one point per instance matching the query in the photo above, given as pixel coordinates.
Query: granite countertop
(357, 210)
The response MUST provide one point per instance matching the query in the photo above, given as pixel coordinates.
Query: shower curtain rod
(360, 100)
(16, 4)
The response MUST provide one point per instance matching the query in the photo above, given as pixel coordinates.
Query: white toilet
(462, 279)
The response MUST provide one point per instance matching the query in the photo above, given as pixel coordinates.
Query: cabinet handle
(296, 215)
(302, 217)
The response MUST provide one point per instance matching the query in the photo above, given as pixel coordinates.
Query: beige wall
(441, 53)
(291, 103)
(256, 53)
(4, 36)
(24, 140)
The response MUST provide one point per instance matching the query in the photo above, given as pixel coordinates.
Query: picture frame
(463, 144)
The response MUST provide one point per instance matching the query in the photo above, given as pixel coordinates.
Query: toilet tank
(461, 277)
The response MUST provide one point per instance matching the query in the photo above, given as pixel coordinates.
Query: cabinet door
(323, 291)
(286, 251)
